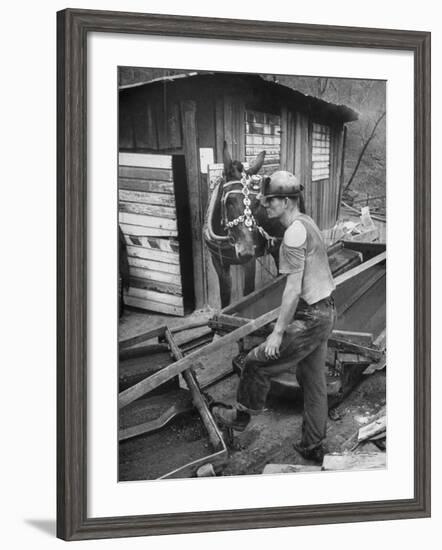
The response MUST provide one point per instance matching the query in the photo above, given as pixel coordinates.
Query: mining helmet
(280, 184)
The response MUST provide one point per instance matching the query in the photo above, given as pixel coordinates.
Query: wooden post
(341, 171)
(284, 126)
(190, 146)
(197, 398)
(219, 128)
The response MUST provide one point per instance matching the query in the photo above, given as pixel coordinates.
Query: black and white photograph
(252, 274)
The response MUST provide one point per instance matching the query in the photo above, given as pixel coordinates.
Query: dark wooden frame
(73, 27)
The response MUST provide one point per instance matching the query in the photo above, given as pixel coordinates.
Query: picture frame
(73, 27)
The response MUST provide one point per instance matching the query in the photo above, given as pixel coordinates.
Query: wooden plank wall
(147, 217)
(289, 141)
(303, 159)
(149, 120)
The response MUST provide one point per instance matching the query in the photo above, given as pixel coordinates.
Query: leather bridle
(251, 185)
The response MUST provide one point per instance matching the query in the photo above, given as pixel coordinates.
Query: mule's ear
(227, 159)
(257, 165)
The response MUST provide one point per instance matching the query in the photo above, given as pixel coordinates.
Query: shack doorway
(184, 232)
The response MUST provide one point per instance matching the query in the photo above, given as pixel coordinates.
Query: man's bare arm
(290, 299)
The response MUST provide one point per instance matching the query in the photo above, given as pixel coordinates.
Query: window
(263, 131)
(320, 152)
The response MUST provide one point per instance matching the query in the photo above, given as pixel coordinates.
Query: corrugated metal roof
(340, 111)
(169, 78)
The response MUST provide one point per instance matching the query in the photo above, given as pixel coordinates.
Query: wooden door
(148, 219)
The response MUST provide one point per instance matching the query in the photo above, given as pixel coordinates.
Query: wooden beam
(138, 173)
(132, 185)
(143, 231)
(340, 279)
(140, 351)
(148, 221)
(219, 129)
(346, 346)
(153, 243)
(290, 160)
(157, 255)
(197, 398)
(364, 338)
(145, 160)
(354, 461)
(150, 275)
(152, 382)
(190, 146)
(158, 331)
(149, 335)
(154, 306)
(157, 423)
(155, 210)
(154, 265)
(341, 171)
(144, 197)
(284, 138)
(373, 428)
(169, 299)
(157, 286)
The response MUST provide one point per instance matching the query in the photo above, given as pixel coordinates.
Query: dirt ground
(268, 438)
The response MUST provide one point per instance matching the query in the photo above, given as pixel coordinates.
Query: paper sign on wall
(206, 158)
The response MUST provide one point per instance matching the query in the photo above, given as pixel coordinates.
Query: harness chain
(247, 217)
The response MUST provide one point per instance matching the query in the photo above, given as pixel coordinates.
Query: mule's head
(240, 203)
(234, 169)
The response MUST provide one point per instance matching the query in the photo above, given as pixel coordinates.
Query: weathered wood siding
(149, 120)
(148, 219)
(318, 163)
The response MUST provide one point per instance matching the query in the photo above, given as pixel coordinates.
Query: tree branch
(361, 154)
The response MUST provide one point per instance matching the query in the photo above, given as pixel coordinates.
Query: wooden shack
(171, 134)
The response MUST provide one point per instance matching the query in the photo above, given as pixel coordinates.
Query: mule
(237, 229)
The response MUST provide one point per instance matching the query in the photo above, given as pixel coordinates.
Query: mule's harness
(247, 218)
(220, 245)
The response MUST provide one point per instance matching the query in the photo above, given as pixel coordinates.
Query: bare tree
(362, 152)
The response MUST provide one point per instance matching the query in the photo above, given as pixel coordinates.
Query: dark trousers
(304, 344)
